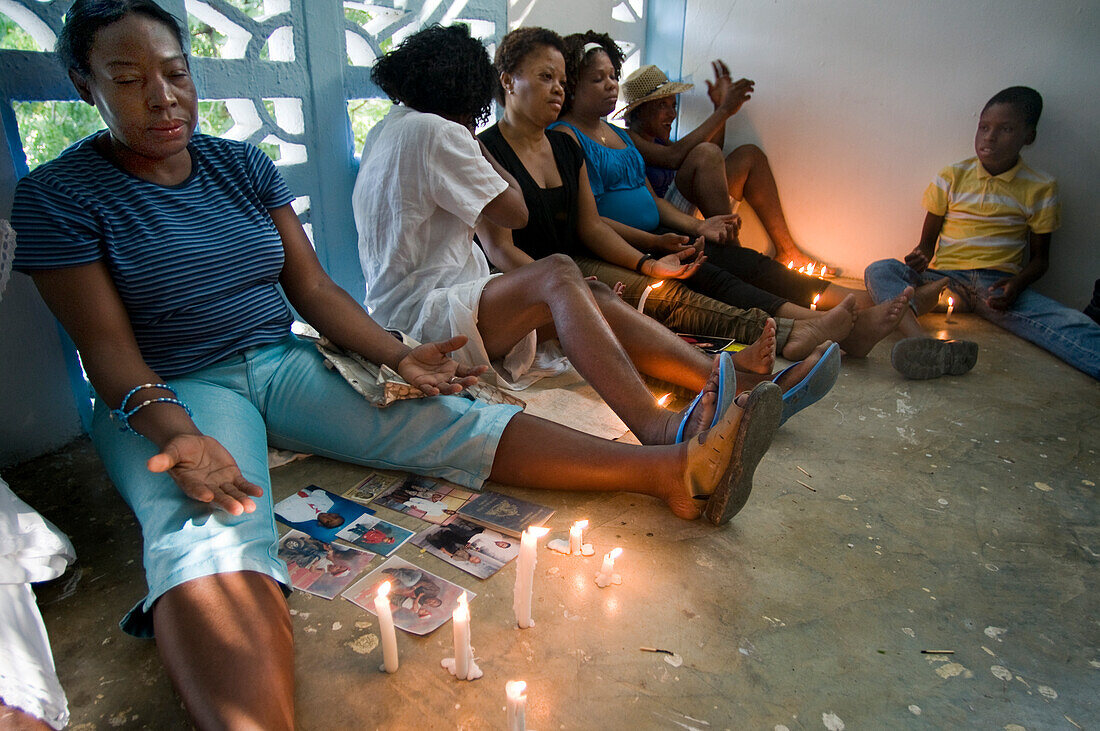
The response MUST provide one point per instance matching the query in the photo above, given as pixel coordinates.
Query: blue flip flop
(814, 386)
(727, 389)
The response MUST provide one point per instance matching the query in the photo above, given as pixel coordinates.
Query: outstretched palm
(207, 472)
(429, 368)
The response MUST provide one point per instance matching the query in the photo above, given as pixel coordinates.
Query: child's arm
(920, 257)
(1037, 266)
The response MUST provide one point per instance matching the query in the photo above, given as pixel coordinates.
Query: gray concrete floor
(957, 514)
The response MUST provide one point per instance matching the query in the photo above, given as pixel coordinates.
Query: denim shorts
(279, 394)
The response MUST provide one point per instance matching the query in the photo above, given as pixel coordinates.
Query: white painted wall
(858, 105)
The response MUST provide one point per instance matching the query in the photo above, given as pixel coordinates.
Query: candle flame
(664, 399)
(582, 524)
(657, 284)
(462, 601)
(515, 689)
(790, 264)
(383, 589)
(615, 553)
(950, 301)
(812, 267)
(822, 275)
(536, 531)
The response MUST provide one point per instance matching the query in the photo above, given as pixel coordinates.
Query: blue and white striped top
(196, 264)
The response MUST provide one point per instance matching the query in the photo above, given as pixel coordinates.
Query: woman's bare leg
(226, 642)
(660, 471)
(701, 178)
(750, 178)
(552, 293)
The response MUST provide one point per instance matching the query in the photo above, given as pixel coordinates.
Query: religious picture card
(319, 568)
(503, 513)
(435, 501)
(420, 600)
(374, 484)
(318, 512)
(374, 534)
(473, 548)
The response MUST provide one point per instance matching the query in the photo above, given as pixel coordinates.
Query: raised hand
(206, 472)
(429, 368)
(726, 94)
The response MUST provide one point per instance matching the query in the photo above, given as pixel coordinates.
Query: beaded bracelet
(123, 416)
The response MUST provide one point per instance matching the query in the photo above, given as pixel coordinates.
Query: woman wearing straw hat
(692, 173)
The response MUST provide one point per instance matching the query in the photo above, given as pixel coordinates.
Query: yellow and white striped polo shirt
(987, 217)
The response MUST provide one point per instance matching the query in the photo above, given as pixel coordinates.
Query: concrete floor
(958, 514)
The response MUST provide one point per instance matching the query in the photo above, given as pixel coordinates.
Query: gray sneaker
(922, 358)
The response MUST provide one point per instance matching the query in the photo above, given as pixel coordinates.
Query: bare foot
(800, 370)
(875, 323)
(927, 296)
(806, 335)
(760, 356)
(663, 429)
(800, 260)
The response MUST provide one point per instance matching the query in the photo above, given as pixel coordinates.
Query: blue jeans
(1067, 333)
(280, 394)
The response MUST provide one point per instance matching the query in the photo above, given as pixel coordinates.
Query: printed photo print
(318, 512)
(422, 497)
(421, 601)
(319, 568)
(374, 485)
(474, 549)
(374, 534)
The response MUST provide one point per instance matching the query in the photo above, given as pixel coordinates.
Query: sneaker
(922, 358)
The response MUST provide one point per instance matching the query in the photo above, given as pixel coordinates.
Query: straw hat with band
(645, 85)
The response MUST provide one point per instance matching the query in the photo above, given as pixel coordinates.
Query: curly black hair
(1027, 101)
(576, 58)
(86, 17)
(440, 70)
(515, 46)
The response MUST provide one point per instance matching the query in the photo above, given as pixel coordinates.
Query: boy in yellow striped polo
(988, 227)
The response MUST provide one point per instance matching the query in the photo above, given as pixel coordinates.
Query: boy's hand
(1010, 290)
(674, 266)
(917, 260)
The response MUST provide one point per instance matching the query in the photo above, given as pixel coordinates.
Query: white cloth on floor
(31, 549)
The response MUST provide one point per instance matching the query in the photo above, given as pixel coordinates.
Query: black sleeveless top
(551, 212)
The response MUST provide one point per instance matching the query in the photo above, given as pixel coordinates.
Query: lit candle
(790, 264)
(813, 305)
(663, 401)
(811, 269)
(607, 575)
(823, 270)
(517, 704)
(525, 575)
(576, 536)
(645, 294)
(385, 625)
(950, 308)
